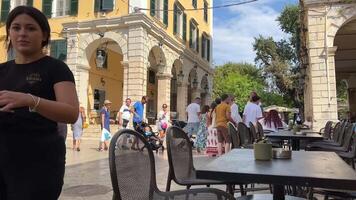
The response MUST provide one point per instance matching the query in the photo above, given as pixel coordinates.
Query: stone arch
(336, 23)
(90, 41)
(156, 57)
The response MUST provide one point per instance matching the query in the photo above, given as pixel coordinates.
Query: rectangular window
(61, 8)
(205, 51)
(103, 5)
(205, 11)
(15, 3)
(193, 31)
(180, 22)
(99, 98)
(59, 49)
(195, 4)
(159, 9)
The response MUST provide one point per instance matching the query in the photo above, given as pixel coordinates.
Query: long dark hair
(205, 109)
(273, 117)
(37, 15)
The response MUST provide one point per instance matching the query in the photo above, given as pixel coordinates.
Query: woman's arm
(64, 109)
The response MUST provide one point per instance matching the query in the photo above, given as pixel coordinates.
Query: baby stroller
(155, 142)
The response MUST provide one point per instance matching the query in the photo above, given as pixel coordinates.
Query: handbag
(105, 135)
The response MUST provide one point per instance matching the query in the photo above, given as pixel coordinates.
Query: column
(321, 88)
(163, 90)
(182, 96)
(136, 72)
(195, 93)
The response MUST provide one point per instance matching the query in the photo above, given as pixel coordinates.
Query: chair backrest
(346, 143)
(253, 132)
(132, 170)
(327, 130)
(353, 145)
(234, 135)
(341, 132)
(260, 130)
(180, 157)
(335, 131)
(244, 134)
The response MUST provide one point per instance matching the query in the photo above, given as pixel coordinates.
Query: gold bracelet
(37, 102)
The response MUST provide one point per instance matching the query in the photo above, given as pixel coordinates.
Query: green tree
(279, 60)
(240, 79)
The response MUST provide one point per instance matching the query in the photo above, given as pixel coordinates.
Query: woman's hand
(10, 100)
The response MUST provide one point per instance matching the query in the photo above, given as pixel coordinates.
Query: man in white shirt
(235, 115)
(193, 113)
(123, 116)
(252, 112)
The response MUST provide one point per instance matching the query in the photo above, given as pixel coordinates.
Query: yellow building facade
(120, 49)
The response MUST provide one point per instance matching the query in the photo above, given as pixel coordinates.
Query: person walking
(202, 130)
(235, 115)
(36, 92)
(193, 113)
(105, 126)
(124, 114)
(77, 129)
(137, 111)
(252, 111)
(223, 116)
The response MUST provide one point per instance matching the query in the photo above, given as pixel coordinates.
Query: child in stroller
(155, 142)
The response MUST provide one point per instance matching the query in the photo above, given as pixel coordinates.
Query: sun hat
(107, 102)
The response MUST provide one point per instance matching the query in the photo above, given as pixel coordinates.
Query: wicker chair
(244, 135)
(133, 174)
(253, 132)
(235, 140)
(181, 166)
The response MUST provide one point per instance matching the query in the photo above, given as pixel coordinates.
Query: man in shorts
(223, 116)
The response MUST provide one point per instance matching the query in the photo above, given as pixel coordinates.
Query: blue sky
(235, 27)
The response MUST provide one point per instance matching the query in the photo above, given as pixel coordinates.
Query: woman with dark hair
(36, 92)
(272, 121)
(202, 130)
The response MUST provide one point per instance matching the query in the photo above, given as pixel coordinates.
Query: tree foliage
(278, 60)
(240, 79)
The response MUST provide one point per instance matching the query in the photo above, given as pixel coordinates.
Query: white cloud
(234, 37)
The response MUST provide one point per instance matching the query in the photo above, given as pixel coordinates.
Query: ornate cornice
(137, 19)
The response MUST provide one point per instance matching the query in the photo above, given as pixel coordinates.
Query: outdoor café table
(305, 168)
(295, 138)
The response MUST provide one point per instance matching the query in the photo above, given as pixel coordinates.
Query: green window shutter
(97, 5)
(165, 12)
(184, 27)
(197, 40)
(107, 5)
(190, 34)
(175, 18)
(208, 49)
(47, 8)
(194, 3)
(59, 49)
(5, 8)
(203, 46)
(153, 8)
(73, 7)
(29, 2)
(205, 11)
